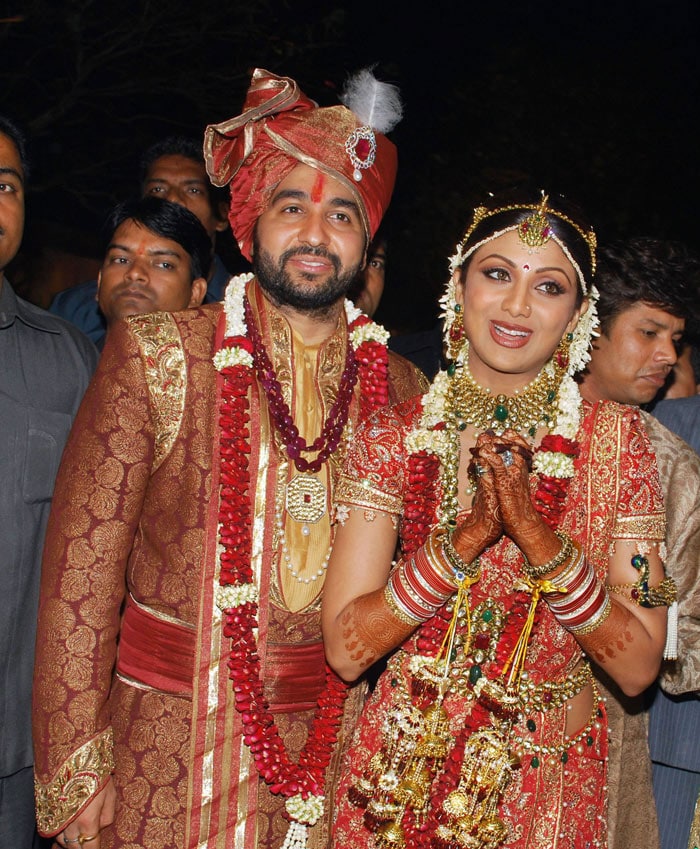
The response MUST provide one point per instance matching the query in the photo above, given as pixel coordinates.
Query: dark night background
(596, 100)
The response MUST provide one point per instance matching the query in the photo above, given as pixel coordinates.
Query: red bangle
(419, 586)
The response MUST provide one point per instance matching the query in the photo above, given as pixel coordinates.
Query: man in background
(157, 258)
(172, 169)
(648, 290)
(46, 367)
(368, 288)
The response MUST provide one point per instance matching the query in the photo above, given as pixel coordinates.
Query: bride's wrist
(539, 544)
(468, 542)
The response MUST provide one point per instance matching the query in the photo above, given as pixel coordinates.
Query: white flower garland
(308, 810)
(234, 299)
(371, 332)
(235, 595)
(425, 437)
(233, 304)
(229, 357)
(587, 328)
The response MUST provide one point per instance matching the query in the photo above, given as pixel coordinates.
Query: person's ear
(578, 313)
(199, 290)
(458, 286)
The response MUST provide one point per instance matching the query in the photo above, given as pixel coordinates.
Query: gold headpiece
(535, 230)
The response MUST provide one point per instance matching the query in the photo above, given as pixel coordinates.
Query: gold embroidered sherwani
(131, 547)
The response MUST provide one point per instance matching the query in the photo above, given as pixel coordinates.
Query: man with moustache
(197, 491)
(157, 258)
(46, 366)
(649, 290)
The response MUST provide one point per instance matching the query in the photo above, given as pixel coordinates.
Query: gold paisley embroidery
(166, 376)
(74, 784)
(405, 380)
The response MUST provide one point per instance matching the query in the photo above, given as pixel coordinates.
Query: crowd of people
(301, 591)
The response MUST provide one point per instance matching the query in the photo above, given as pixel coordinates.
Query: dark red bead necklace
(331, 432)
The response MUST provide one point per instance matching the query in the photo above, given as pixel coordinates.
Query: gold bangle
(456, 561)
(564, 553)
(434, 549)
(397, 611)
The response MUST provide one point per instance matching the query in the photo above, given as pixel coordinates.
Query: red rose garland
(551, 492)
(373, 363)
(261, 734)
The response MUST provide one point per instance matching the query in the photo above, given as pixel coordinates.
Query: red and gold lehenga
(555, 797)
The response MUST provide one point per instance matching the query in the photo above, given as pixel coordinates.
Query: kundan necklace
(302, 783)
(525, 411)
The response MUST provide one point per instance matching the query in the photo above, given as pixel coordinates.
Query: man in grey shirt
(45, 367)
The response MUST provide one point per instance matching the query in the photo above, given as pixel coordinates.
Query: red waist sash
(156, 652)
(295, 675)
(160, 654)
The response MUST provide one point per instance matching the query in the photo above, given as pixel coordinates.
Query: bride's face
(518, 302)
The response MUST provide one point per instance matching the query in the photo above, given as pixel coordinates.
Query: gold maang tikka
(535, 230)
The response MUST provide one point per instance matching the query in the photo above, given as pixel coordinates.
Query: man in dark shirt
(46, 366)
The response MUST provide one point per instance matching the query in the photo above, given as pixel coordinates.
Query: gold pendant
(306, 499)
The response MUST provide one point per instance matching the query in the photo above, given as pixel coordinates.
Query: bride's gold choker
(532, 407)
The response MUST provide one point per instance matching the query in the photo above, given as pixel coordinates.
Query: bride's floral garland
(553, 460)
(302, 784)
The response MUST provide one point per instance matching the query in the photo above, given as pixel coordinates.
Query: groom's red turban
(281, 128)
